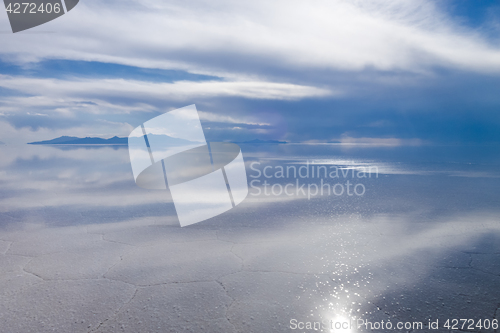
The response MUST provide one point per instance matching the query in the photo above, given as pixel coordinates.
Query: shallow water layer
(328, 234)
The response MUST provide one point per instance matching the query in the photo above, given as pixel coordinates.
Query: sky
(363, 71)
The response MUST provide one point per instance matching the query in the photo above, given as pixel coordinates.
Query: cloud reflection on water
(381, 256)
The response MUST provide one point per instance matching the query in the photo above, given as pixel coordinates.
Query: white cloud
(234, 38)
(377, 142)
(66, 101)
(178, 91)
(208, 116)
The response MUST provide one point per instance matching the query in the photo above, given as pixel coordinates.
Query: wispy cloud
(247, 38)
(212, 117)
(177, 91)
(380, 142)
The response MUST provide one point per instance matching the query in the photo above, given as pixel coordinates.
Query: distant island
(73, 140)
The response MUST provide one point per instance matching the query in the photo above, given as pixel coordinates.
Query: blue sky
(382, 72)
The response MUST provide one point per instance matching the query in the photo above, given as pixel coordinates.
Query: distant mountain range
(73, 140)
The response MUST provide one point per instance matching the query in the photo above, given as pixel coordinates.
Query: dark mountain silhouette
(55, 141)
(162, 140)
(71, 140)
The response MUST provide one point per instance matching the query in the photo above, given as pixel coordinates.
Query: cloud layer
(269, 60)
(257, 35)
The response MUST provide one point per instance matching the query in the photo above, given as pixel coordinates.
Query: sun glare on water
(341, 324)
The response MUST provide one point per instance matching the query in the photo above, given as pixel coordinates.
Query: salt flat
(87, 265)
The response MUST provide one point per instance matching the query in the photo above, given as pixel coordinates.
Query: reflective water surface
(328, 234)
